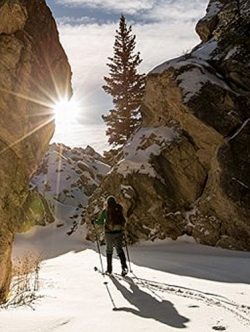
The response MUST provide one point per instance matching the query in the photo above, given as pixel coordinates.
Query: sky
(164, 29)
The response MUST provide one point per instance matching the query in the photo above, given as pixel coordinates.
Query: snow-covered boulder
(189, 166)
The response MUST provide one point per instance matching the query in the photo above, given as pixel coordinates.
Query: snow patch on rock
(192, 82)
(205, 50)
(213, 9)
(232, 52)
(140, 148)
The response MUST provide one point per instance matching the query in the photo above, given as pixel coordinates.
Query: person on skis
(114, 223)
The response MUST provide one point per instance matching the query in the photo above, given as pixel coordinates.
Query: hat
(111, 201)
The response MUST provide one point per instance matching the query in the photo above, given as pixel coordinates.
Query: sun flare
(66, 111)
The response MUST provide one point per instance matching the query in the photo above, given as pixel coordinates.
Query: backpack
(115, 220)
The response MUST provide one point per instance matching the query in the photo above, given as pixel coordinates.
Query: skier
(114, 222)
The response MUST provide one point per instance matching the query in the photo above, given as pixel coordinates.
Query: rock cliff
(187, 170)
(34, 72)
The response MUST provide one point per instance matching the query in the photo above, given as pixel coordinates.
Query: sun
(66, 111)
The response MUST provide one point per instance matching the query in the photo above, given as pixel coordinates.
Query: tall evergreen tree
(125, 85)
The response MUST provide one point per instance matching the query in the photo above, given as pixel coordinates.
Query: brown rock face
(34, 72)
(198, 183)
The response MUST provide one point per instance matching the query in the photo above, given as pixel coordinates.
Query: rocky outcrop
(33, 72)
(66, 178)
(197, 182)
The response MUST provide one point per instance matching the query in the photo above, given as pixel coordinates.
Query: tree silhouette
(125, 85)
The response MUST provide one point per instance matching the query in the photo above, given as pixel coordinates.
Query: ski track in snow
(240, 311)
(237, 310)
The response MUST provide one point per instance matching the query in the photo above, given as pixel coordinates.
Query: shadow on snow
(148, 306)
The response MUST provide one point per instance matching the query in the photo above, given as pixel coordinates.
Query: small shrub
(25, 280)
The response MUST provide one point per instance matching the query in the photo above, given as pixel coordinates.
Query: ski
(120, 276)
(97, 269)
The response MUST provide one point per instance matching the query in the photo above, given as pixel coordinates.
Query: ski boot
(124, 271)
(109, 264)
(123, 264)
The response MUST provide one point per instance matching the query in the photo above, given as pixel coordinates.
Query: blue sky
(139, 11)
(77, 12)
(164, 29)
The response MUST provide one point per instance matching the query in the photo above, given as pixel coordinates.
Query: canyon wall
(34, 73)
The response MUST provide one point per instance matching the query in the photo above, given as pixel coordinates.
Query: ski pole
(110, 296)
(98, 247)
(126, 245)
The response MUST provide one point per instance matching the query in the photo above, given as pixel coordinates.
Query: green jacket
(115, 225)
(102, 218)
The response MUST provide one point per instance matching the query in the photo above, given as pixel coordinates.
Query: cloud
(80, 135)
(156, 10)
(127, 7)
(63, 20)
(89, 44)
(174, 11)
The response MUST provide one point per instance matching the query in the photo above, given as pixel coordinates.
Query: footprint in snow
(219, 328)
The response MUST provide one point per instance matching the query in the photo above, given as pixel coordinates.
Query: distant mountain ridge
(66, 178)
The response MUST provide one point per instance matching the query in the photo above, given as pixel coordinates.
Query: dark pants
(114, 240)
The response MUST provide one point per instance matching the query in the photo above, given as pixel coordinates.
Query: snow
(175, 63)
(232, 52)
(190, 214)
(191, 83)
(199, 60)
(205, 50)
(195, 68)
(193, 80)
(213, 9)
(240, 182)
(174, 284)
(66, 178)
(127, 191)
(198, 71)
(239, 130)
(140, 148)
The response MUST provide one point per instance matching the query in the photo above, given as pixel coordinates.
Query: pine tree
(125, 85)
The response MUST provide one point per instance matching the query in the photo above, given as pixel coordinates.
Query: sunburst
(66, 112)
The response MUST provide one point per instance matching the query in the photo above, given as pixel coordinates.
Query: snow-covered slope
(174, 285)
(66, 178)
